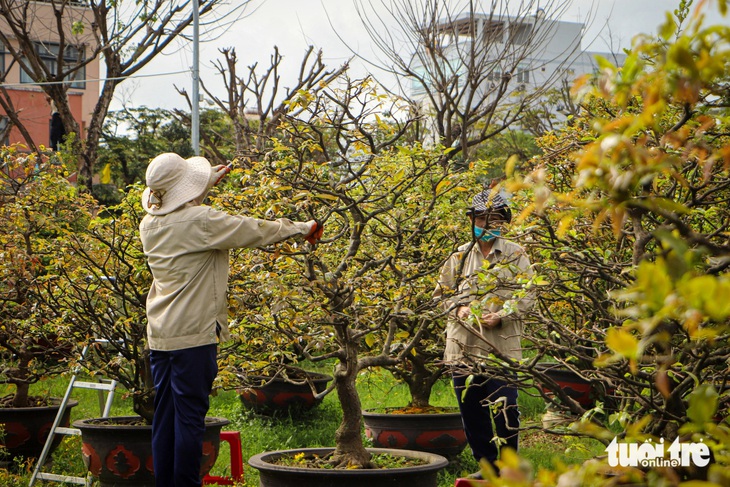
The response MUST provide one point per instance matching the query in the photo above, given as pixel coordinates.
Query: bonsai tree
(628, 218)
(39, 208)
(256, 138)
(363, 298)
(101, 288)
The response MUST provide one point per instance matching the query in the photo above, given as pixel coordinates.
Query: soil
(118, 421)
(33, 401)
(381, 460)
(416, 410)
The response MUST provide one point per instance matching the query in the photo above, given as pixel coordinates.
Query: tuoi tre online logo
(649, 454)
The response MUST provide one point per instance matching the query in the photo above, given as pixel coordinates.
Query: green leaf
(668, 28)
(682, 57)
(77, 28)
(604, 63)
(654, 284)
(664, 204)
(702, 404)
(467, 383)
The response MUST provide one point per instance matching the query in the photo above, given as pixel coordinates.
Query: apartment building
(533, 52)
(30, 103)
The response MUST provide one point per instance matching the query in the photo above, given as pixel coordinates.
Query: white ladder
(104, 385)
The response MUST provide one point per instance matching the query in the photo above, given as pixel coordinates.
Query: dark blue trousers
(486, 416)
(183, 381)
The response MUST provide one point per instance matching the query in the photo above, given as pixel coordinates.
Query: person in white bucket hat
(186, 244)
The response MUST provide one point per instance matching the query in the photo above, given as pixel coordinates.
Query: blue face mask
(487, 235)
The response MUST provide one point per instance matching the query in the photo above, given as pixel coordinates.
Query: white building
(522, 55)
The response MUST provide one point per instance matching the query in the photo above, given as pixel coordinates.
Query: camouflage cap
(487, 201)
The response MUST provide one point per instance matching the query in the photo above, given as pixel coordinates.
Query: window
(48, 54)
(458, 32)
(495, 74)
(76, 3)
(417, 86)
(523, 74)
(3, 52)
(520, 33)
(4, 132)
(493, 32)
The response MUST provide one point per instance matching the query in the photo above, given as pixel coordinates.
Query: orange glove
(315, 235)
(218, 173)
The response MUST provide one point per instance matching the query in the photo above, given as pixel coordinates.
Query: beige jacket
(494, 289)
(187, 251)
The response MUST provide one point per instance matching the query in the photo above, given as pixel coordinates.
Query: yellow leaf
(622, 342)
(324, 196)
(509, 168)
(443, 184)
(106, 174)
(564, 225)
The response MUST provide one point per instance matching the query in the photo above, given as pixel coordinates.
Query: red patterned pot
(279, 395)
(583, 391)
(441, 433)
(118, 451)
(25, 430)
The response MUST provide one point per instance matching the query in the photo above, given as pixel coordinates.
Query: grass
(311, 429)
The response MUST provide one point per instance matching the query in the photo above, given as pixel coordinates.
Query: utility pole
(195, 122)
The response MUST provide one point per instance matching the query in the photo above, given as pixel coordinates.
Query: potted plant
(286, 389)
(418, 425)
(380, 204)
(38, 207)
(100, 287)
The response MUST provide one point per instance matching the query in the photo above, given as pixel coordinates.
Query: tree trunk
(349, 449)
(143, 402)
(420, 385)
(419, 378)
(20, 399)
(87, 158)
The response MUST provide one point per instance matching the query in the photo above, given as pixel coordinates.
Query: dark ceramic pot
(25, 430)
(439, 433)
(583, 391)
(278, 395)
(271, 475)
(118, 451)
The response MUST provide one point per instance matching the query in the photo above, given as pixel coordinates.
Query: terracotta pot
(439, 433)
(271, 475)
(25, 430)
(279, 395)
(118, 451)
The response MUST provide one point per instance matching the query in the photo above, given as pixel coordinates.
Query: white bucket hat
(173, 181)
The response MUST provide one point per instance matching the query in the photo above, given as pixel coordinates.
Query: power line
(69, 82)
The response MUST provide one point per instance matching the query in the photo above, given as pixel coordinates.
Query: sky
(292, 25)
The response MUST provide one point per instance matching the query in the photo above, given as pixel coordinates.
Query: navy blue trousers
(183, 381)
(486, 416)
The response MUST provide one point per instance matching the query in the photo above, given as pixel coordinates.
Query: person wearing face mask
(479, 289)
(186, 244)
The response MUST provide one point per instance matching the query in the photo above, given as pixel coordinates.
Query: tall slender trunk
(349, 448)
(89, 151)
